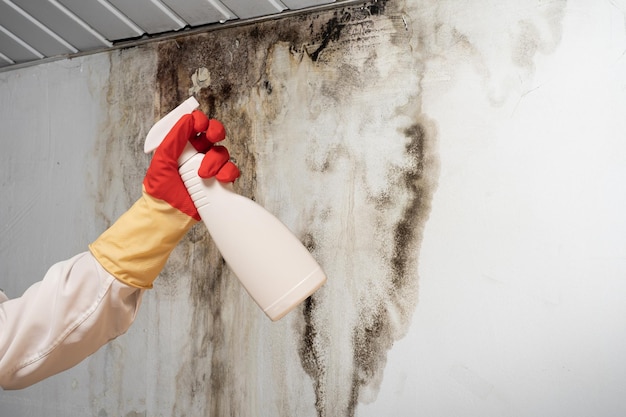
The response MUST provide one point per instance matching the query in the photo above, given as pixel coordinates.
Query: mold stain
(373, 340)
(405, 229)
(120, 148)
(330, 33)
(122, 166)
(340, 53)
(336, 61)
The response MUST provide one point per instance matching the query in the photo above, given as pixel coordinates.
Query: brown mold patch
(120, 147)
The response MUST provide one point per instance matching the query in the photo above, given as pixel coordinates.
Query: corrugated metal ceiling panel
(245, 9)
(200, 12)
(55, 18)
(151, 19)
(31, 34)
(104, 18)
(32, 30)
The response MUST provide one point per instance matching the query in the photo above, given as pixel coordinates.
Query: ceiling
(33, 31)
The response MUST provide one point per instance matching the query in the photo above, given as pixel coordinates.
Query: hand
(135, 248)
(163, 181)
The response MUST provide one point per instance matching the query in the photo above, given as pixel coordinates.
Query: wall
(454, 167)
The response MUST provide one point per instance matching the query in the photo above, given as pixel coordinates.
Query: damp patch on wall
(323, 116)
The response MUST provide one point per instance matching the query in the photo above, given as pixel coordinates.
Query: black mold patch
(371, 343)
(373, 339)
(312, 361)
(237, 60)
(331, 32)
(419, 201)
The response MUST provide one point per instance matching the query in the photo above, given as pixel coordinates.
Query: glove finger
(213, 161)
(201, 143)
(200, 121)
(213, 132)
(186, 129)
(228, 173)
(200, 125)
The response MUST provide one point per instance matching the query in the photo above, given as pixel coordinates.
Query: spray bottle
(270, 262)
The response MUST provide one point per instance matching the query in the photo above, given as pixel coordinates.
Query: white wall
(50, 116)
(522, 278)
(523, 274)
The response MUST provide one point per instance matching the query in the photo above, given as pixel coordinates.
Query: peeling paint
(200, 79)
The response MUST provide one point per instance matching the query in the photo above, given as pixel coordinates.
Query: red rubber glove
(135, 248)
(163, 181)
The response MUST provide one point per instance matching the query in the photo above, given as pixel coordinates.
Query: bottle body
(270, 262)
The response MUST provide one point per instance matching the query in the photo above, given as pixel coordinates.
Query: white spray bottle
(271, 263)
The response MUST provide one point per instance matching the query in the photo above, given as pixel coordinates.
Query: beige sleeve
(59, 321)
(136, 247)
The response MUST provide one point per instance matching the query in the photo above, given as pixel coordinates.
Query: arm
(86, 301)
(59, 321)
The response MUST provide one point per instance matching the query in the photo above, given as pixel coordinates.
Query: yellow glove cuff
(135, 248)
